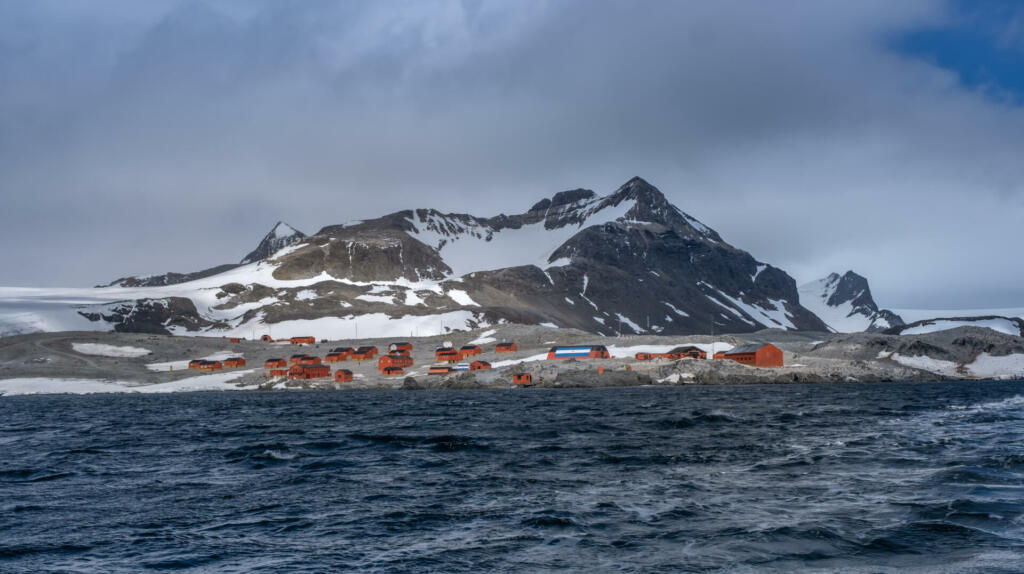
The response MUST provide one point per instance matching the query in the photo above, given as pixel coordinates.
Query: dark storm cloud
(143, 137)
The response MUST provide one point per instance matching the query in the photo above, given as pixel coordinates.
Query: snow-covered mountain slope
(1011, 325)
(845, 304)
(627, 262)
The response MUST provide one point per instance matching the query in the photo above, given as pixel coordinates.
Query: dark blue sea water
(872, 478)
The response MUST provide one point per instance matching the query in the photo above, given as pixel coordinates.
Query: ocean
(894, 477)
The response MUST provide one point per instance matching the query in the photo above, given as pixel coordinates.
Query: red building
(522, 378)
(506, 348)
(479, 365)
(275, 364)
(343, 376)
(394, 361)
(234, 362)
(303, 340)
(403, 348)
(447, 355)
(392, 371)
(755, 355)
(309, 372)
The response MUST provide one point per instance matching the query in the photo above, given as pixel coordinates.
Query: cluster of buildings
(450, 359)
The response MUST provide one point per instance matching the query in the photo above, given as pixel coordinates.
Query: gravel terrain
(809, 357)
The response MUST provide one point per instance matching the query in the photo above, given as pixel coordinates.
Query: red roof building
(755, 355)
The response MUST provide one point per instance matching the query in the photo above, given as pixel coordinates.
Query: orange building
(343, 376)
(755, 355)
(275, 364)
(211, 365)
(295, 359)
(403, 347)
(479, 365)
(267, 339)
(302, 340)
(392, 371)
(234, 362)
(278, 372)
(368, 352)
(447, 355)
(309, 372)
(439, 370)
(195, 363)
(522, 378)
(506, 348)
(394, 361)
(335, 357)
(470, 350)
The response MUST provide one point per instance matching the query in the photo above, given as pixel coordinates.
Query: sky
(144, 136)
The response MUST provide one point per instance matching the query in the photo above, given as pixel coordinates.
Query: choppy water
(874, 478)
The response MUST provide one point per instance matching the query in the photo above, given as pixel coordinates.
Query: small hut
(506, 348)
(343, 376)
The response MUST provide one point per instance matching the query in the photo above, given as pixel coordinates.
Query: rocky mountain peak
(853, 288)
(845, 303)
(280, 236)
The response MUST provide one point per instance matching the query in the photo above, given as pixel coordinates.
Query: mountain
(629, 262)
(281, 236)
(845, 304)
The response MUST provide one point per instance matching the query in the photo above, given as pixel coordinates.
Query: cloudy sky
(886, 137)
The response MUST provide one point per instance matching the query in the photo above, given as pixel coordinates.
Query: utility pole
(712, 336)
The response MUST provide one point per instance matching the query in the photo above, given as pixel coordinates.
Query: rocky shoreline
(810, 357)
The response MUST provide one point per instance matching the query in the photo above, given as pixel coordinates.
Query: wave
(443, 443)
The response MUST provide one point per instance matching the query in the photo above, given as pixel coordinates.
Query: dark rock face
(364, 252)
(281, 236)
(170, 278)
(152, 316)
